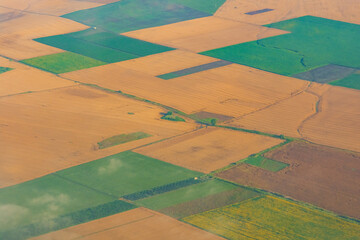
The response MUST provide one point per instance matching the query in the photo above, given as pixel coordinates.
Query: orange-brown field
(208, 149)
(231, 90)
(46, 7)
(51, 130)
(24, 79)
(341, 10)
(204, 34)
(322, 114)
(16, 34)
(135, 224)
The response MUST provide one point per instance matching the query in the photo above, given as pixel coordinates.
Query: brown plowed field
(135, 224)
(53, 7)
(23, 79)
(342, 10)
(56, 129)
(323, 176)
(231, 90)
(16, 34)
(208, 149)
(204, 34)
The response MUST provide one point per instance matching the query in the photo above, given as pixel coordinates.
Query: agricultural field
(208, 149)
(309, 45)
(62, 62)
(204, 34)
(323, 176)
(122, 138)
(4, 69)
(340, 10)
(351, 81)
(126, 225)
(231, 90)
(270, 217)
(52, 122)
(125, 173)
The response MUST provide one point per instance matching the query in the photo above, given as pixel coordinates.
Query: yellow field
(208, 149)
(56, 129)
(273, 218)
(342, 10)
(232, 90)
(204, 34)
(16, 34)
(135, 224)
(166, 62)
(24, 78)
(53, 7)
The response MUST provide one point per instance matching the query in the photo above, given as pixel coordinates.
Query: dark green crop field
(129, 15)
(312, 43)
(352, 81)
(4, 69)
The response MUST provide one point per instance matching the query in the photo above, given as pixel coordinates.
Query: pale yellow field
(135, 224)
(208, 149)
(232, 90)
(56, 129)
(24, 78)
(282, 118)
(16, 34)
(204, 34)
(166, 62)
(342, 10)
(53, 7)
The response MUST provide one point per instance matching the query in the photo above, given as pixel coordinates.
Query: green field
(62, 62)
(126, 173)
(313, 42)
(352, 81)
(270, 217)
(185, 194)
(44, 199)
(208, 6)
(129, 15)
(122, 138)
(266, 163)
(209, 202)
(4, 69)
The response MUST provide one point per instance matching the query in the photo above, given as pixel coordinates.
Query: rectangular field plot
(313, 42)
(266, 163)
(122, 138)
(129, 15)
(63, 62)
(32, 207)
(208, 6)
(126, 173)
(273, 218)
(352, 81)
(192, 70)
(186, 194)
(136, 224)
(322, 176)
(208, 149)
(259, 11)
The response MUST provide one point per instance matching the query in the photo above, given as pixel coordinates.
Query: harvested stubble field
(273, 218)
(135, 224)
(341, 10)
(208, 149)
(204, 34)
(323, 176)
(52, 130)
(23, 78)
(321, 114)
(16, 34)
(231, 90)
